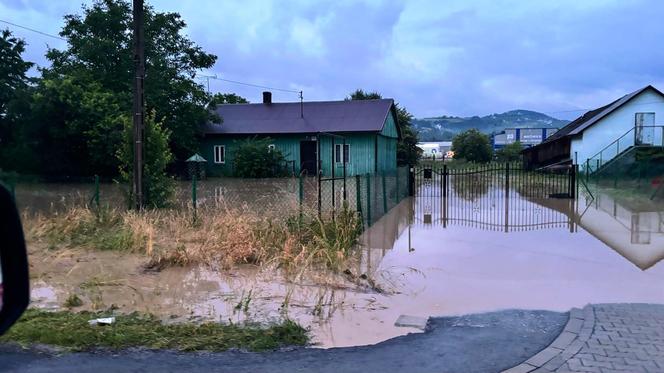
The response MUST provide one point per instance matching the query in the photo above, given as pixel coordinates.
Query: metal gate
(444, 182)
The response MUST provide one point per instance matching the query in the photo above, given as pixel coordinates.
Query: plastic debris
(102, 321)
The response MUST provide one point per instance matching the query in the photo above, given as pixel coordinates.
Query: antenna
(301, 105)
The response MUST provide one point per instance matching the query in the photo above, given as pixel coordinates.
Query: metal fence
(372, 195)
(494, 197)
(439, 181)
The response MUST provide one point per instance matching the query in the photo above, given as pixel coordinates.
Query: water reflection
(634, 230)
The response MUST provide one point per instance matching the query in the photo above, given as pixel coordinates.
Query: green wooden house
(313, 136)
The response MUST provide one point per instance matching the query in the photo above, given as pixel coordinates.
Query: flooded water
(429, 257)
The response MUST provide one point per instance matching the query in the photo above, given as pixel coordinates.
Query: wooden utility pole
(138, 107)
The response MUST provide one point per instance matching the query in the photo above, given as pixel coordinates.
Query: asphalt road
(486, 342)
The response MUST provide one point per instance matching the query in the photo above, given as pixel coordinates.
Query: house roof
(591, 117)
(319, 116)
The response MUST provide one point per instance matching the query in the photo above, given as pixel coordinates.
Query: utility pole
(138, 106)
(301, 105)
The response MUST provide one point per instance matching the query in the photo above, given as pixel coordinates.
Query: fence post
(572, 182)
(358, 199)
(97, 190)
(445, 175)
(396, 197)
(507, 195)
(193, 194)
(587, 169)
(384, 194)
(368, 200)
(411, 180)
(301, 191)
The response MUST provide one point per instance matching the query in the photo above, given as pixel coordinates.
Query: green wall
(369, 151)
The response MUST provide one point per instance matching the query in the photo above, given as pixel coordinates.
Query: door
(308, 157)
(645, 130)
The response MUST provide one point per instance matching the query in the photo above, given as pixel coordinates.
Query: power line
(33, 30)
(249, 84)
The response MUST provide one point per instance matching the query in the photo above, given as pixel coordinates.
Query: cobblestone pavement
(605, 338)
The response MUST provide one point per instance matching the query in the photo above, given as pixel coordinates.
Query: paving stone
(543, 356)
(521, 368)
(412, 322)
(607, 338)
(564, 340)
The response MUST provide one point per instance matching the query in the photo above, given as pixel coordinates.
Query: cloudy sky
(435, 57)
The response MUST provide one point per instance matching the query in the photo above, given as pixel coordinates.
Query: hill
(445, 127)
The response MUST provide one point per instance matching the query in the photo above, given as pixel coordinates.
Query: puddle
(432, 259)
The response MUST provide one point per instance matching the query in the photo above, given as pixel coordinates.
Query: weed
(73, 301)
(221, 236)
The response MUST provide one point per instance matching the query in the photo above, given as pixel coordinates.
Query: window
(219, 154)
(337, 153)
(270, 147)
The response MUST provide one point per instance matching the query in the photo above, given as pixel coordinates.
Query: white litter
(102, 321)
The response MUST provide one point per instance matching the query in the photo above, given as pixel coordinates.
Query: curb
(576, 333)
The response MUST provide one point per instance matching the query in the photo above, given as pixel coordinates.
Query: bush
(254, 158)
(158, 186)
(473, 146)
(509, 153)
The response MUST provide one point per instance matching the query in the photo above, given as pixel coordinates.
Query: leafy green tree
(473, 146)
(14, 100)
(159, 186)
(227, 98)
(510, 152)
(99, 57)
(254, 158)
(78, 125)
(360, 94)
(407, 151)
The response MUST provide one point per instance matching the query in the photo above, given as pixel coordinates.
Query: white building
(600, 135)
(438, 149)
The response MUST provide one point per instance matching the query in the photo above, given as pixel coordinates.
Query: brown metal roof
(319, 116)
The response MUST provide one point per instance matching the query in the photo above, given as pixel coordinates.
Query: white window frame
(338, 157)
(219, 152)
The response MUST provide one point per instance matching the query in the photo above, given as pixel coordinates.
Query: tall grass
(222, 236)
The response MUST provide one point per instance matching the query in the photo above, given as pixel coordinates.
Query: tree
(159, 187)
(255, 158)
(407, 151)
(227, 98)
(99, 58)
(472, 145)
(14, 97)
(510, 152)
(360, 94)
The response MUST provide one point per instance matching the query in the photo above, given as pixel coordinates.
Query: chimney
(267, 97)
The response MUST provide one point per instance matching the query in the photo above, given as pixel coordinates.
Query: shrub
(473, 146)
(254, 158)
(509, 153)
(158, 186)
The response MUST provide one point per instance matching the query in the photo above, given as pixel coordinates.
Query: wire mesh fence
(371, 195)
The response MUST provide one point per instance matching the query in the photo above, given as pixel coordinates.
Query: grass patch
(102, 229)
(72, 331)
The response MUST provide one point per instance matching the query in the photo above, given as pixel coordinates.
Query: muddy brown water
(428, 260)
